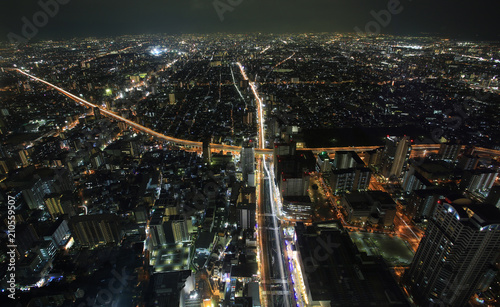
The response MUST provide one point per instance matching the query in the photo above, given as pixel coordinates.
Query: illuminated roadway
(275, 281)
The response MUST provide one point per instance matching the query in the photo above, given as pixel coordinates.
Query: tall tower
(460, 243)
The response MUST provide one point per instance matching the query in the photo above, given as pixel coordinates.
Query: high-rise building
(58, 204)
(350, 173)
(422, 203)
(53, 203)
(413, 180)
(207, 153)
(247, 161)
(479, 180)
(352, 179)
(157, 230)
(179, 227)
(246, 215)
(97, 229)
(494, 196)
(347, 159)
(449, 151)
(323, 163)
(171, 98)
(396, 154)
(462, 240)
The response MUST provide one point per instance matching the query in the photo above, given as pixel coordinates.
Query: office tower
(460, 243)
(374, 157)
(395, 158)
(294, 186)
(97, 229)
(34, 192)
(422, 203)
(59, 232)
(26, 237)
(494, 196)
(292, 169)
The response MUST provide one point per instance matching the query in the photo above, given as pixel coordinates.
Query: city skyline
(259, 169)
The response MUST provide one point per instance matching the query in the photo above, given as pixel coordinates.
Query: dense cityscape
(313, 169)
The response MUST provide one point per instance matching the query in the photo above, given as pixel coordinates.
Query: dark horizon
(77, 19)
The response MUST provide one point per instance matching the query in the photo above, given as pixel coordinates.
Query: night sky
(82, 18)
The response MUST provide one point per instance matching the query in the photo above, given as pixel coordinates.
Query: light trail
(284, 60)
(265, 49)
(234, 83)
(276, 232)
(260, 115)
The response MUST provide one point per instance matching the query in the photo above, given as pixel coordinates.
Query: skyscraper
(396, 153)
(460, 243)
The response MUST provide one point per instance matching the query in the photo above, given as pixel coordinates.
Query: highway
(275, 278)
(275, 274)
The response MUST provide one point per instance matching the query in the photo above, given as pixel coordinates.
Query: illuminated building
(460, 243)
(323, 163)
(449, 151)
(414, 180)
(350, 173)
(479, 180)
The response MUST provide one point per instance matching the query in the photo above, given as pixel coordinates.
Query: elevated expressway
(198, 146)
